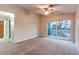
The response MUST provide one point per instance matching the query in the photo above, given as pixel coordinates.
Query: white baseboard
(25, 39)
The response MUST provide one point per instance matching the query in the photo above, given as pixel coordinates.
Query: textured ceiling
(57, 8)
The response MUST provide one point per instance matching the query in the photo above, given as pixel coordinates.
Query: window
(59, 28)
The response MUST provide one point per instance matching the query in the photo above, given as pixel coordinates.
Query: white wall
(77, 27)
(26, 23)
(50, 18)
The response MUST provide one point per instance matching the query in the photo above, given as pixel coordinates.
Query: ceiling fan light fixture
(46, 13)
(45, 8)
(51, 5)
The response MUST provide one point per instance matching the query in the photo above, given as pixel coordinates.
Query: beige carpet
(39, 46)
(50, 46)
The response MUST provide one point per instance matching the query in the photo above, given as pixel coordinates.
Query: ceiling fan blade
(57, 12)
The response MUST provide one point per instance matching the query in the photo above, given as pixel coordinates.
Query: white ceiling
(57, 9)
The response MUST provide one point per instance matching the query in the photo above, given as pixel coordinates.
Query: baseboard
(24, 39)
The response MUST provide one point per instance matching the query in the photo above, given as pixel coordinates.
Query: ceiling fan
(48, 10)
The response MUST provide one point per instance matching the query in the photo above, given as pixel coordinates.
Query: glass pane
(53, 25)
(64, 25)
(60, 28)
(51, 28)
(53, 32)
(63, 33)
(59, 25)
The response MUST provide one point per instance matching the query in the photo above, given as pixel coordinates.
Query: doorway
(6, 26)
(1, 29)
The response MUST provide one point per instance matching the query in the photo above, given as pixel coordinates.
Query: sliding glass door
(59, 28)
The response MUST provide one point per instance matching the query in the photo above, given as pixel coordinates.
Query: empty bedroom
(39, 29)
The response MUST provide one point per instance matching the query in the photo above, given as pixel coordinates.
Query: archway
(7, 23)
